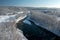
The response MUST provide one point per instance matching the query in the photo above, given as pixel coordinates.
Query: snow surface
(10, 18)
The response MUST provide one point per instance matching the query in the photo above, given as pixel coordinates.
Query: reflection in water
(34, 32)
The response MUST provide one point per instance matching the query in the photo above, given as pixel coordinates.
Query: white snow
(6, 18)
(10, 18)
(20, 12)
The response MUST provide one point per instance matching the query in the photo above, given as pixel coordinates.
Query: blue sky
(31, 3)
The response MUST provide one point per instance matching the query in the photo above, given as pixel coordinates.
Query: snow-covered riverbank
(9, 16)
(49, 22)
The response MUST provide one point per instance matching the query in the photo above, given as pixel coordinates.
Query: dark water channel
(34, 32)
